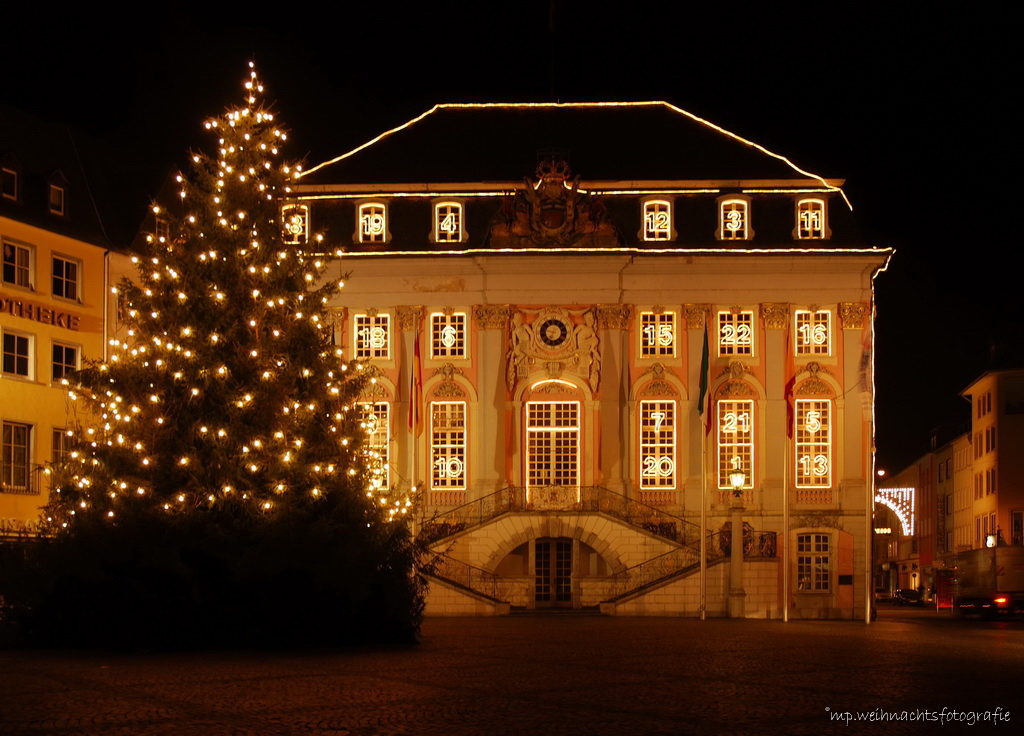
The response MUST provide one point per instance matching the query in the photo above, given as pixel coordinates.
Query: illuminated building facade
(597, 330)
(53, 304)
(967, 493)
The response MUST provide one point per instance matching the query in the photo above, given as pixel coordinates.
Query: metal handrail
(469, 576)
(594, 499)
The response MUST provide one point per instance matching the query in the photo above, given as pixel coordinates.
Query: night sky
(911, 104)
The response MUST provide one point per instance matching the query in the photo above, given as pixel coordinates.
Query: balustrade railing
(469, 576)
(755, 544)
(593, 499)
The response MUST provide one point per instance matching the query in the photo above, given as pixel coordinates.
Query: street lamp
(737, 595)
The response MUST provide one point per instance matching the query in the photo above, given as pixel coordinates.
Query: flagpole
(785, 533)
(705, 369)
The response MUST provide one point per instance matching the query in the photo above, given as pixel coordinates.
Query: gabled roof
(614, 142)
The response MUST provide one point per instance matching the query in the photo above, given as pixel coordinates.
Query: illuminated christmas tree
(219, 452)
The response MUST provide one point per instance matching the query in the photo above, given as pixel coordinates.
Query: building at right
(966, 494)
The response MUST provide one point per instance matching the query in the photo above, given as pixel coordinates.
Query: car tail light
(1002, 601)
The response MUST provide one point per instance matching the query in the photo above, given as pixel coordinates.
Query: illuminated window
(448, 222)
(810, 219)
(15, 476)
(813, 332)
(9, 183)
(65, 275)
(657, 334)
(17, 354)
(657, 219)
(735, 442)
(65, 360)
(448, 445)
(372, 336)
(552, 443)
(813, 443)
(657, 444)
(734, 219)
(813, 562)
(448, 335)
(373, 223)
(735, 333)
(18, 265)
(375, 419)
(295, 223)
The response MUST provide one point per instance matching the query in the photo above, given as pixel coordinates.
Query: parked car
(882, 595)
(907, 597)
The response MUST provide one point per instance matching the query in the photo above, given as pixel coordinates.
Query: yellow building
(611, 341)
(53, 302)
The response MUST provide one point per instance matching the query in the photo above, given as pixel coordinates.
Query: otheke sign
(39, 313)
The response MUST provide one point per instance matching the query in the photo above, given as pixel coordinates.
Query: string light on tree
(227, 391)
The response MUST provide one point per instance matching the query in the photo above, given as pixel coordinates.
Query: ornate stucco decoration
(775, 315)
(735, 385)
(556, 338)
(370, 312)
(658, 388)
(552, 212)
(814, 386)
(491, 316)
(448, 372)
(852, 315)
(409, 317)
(613, 316)
(813, 519)
(696, 315)
(448, 390)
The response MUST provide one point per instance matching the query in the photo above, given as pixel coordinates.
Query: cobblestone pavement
(542, 675)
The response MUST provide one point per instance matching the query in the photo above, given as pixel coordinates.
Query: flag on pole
(705, 379)
(416, 388)
(790, 383)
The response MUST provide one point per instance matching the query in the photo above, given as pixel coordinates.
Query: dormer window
(734, 219)
(372, 226)
(810, 219)
(448, 226)
(57, 200)
(657, 220)
(9, 183)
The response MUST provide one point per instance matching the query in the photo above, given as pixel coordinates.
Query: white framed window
(9, 183)
(373, 223)
(448, 222)
(734, 219)
(448, 335)
(812, 334)
(448, 445)
(15, 451)
(657, 334)
(657, 215)
(658, 445)
(60, 445)
(18, 264)
(736, 333)
(18, 354)
(552, 443)
(813, 443)
(735, 443)
(813, 562)
(810, 219)
(375, 420)
(372, 336)
(65, 277)
(295, 223)
(57, 199)
(65, 359)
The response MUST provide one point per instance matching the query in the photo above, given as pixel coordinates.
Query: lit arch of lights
(901, 501)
